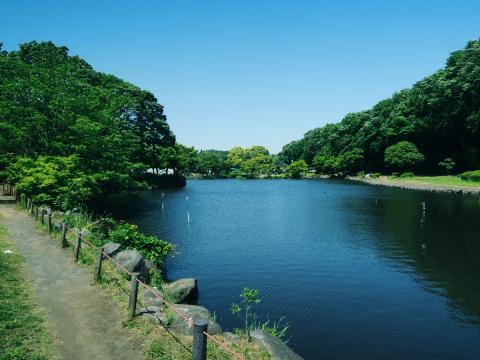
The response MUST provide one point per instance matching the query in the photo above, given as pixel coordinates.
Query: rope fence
(200, 327)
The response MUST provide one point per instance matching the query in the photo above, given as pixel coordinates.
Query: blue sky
(241, 72)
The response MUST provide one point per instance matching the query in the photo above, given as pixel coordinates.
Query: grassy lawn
(23, 331)
(437, 180)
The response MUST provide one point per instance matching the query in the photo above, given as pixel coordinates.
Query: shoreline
(422, 186)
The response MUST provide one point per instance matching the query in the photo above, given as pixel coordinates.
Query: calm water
(349, 266)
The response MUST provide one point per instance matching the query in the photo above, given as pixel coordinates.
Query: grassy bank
(435, 180)
(448, 184)
(24, 332)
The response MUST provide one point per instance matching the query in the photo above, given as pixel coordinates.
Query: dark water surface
(350, 266)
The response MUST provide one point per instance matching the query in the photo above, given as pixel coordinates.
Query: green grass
(437, 180)
(24, 334)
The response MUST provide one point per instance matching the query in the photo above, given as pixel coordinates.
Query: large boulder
(275, 347)
(182, 327)
(133, 261)
(183, 290)
(151, 300)
(111, 249)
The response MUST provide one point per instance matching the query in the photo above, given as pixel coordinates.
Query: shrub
(153, 248)
(448, 164)
(407, 175)
(403, 156)
(395, 174)
(296, 169)
(375, 175)
(470, 175)
(52, 180)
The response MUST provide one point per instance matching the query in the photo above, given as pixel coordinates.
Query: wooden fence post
(36, 213)
(132, 302)
(200, 339)
(78, 245)
(98, 265)
(49, 223)
(42, 217)
(63, 237)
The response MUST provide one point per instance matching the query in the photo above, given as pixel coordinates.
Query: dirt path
(86, 323)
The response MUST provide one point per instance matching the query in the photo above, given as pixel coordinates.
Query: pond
(356, 271)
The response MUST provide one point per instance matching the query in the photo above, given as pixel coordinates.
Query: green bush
(470, 175)
(403, 155)
(296, 169)
(153, 248)
(395, 174)
(375, 175)
(407, 175)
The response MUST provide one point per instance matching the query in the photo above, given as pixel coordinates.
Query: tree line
(431, 128)
(70, 134)
(252, 163)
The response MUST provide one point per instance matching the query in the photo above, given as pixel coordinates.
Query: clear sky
(244, 72)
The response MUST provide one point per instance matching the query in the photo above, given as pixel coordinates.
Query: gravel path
(85, 322)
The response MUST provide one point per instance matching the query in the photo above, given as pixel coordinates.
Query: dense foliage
(403, 156)
(69, 133)
(471, 175)
(440, 115)
(252, 162)
(297, 169)
(129, 237)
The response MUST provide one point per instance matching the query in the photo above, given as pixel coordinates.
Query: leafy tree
(292, 151)
(185, 159)
(52, 180)
(296, 169)
(249, 298)
(351, 162)
(236, 156)
(325, 164)
(251, 162)
(448, 164)
(403, 156)
(212, 163)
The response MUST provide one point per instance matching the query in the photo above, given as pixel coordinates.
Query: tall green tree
(403, 156)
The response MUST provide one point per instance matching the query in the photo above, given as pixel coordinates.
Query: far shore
(434, 184)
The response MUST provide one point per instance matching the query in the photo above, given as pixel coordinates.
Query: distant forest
(439, 116)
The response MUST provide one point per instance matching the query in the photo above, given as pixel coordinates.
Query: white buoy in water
(188, 210)
(163, 197)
